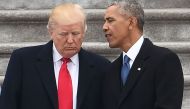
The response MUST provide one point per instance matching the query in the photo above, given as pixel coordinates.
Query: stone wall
(167, 23)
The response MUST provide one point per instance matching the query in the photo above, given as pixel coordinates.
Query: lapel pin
(139, 69)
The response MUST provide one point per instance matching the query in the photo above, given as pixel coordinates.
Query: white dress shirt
(73, 68)
(133, 51)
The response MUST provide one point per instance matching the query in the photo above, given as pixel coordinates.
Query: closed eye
(109, 19)
(75, 33)
(63, 34)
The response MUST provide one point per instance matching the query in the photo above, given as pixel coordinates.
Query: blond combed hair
(67, 13)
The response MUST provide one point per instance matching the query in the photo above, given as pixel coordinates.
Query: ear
(85, 28)
(133, 22)
(50, 33)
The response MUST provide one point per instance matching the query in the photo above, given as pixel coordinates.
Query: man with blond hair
(59, 74)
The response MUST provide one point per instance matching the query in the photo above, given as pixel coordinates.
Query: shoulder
(34, 50)
(156, 51)
(92, 57)
(31, 50)
(162, 57)
(163, 52)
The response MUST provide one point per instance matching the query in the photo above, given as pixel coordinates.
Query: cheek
(115, 28)
(52, 33)
(123, 31)
(80, 38)
(79, 42)
(60, 42)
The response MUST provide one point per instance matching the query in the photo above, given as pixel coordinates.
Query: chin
(69, 53)
(111, 46)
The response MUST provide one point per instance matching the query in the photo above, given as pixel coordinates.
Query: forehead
(67, 20)
(112, 11)
(70, 27)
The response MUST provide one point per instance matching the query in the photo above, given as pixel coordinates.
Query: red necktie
(65, 93)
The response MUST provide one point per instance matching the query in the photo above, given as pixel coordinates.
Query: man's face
(116, 28)
(68, 38)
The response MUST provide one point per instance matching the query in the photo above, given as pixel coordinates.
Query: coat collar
(86, 72)
(45, 67)
(137, 69)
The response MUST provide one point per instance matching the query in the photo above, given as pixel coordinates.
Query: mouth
(107, 35)
(70, 48)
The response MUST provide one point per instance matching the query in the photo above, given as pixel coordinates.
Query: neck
(134, 38)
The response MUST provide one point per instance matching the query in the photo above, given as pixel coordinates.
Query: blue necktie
(125, 69)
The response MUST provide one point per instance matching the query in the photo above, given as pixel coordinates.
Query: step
(186, 98)
(186, 95)
(181, 48)
(90, 4)
(186, 81)
(30, 25)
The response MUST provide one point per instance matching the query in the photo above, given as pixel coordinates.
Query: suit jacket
(155, 81)
(30, 81)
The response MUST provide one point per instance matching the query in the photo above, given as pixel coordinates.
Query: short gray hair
(132, 8)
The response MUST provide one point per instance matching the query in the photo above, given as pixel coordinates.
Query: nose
(105, 27)
(70, 38)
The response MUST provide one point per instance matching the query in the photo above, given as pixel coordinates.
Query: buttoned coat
(155, 81)
(30, 81)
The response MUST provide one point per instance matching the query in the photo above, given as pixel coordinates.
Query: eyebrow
(108, 18)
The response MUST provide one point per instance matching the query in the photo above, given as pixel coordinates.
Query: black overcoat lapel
(137, 69)
(45, 66)
(86, 71)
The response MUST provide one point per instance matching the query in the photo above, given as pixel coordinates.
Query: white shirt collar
(134, 50)
(57, 57)
(73, 68)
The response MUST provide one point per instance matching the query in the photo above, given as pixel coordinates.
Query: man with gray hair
(144, 76)
(59, 74)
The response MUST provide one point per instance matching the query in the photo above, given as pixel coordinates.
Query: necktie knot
(66, 60)
(126, 59)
